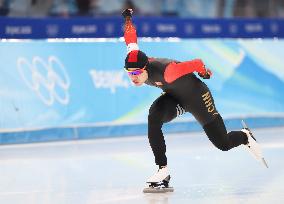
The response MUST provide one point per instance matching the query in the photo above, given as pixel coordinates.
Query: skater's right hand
(206, 74)
(127, 13)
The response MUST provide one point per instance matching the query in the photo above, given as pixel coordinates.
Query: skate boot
(159, 182)
(252, 146)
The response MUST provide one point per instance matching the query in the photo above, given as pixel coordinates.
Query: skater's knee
(223, 147)
(217, 134)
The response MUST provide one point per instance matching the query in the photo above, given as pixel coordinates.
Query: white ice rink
(114, 171)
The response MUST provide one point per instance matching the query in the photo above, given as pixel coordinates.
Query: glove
(206, 75)
(127, 13)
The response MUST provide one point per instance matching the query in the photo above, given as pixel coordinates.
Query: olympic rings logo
(49, 80)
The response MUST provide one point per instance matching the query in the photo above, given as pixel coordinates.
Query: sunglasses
(135, 72)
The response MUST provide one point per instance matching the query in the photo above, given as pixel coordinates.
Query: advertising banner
(111, 27)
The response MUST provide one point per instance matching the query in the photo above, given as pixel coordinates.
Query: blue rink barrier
(111, 27)
(79, 133)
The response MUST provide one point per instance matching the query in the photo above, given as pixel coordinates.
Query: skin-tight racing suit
(183, 92)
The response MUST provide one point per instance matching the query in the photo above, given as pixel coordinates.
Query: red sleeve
(176, 70)
(129, 32)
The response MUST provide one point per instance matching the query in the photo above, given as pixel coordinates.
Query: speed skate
(252, 146)
(159, 182)
(159, 187)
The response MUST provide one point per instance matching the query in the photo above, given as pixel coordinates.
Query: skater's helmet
(136, 59)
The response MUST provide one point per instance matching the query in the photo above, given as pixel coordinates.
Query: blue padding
(61, 134)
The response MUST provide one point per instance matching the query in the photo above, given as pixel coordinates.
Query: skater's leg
(217, 134)
(164, 109)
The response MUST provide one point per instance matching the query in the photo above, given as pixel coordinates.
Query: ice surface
(115, 170)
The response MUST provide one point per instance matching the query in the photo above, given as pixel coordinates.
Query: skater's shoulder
(159, 60)
(159, 63)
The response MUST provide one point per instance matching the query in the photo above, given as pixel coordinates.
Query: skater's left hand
(206, 74)
(127, 13)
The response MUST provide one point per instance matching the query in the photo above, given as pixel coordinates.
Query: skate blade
(158, 190)
(264, 162)
(244, 124)
(259, 159)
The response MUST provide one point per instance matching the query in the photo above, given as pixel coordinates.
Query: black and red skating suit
(183, 92)
(178, 80)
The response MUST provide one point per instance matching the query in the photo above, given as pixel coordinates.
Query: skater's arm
(176, 70)
(130, 35)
